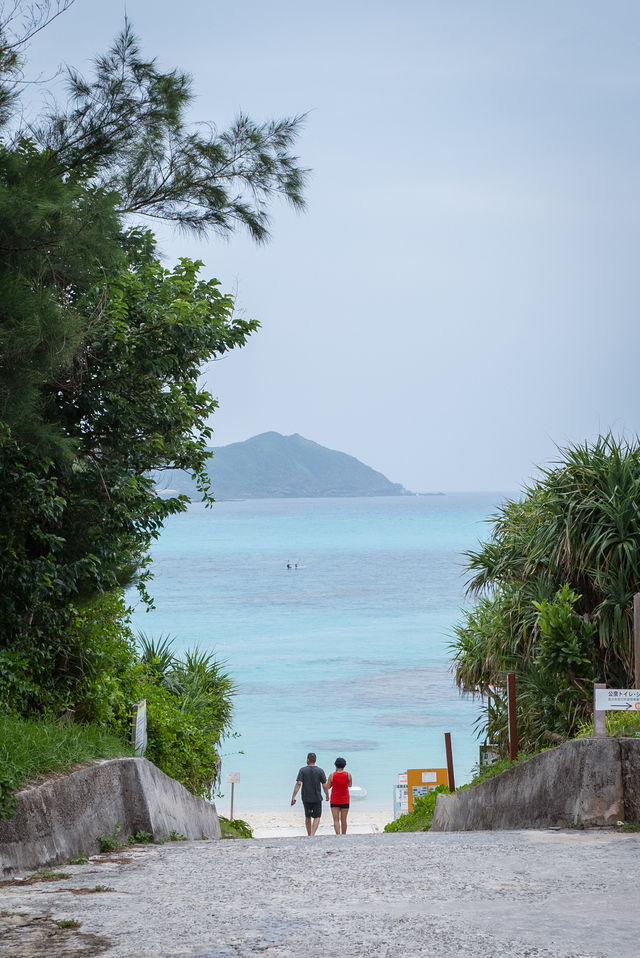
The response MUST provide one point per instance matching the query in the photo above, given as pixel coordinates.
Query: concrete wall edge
(58, 818)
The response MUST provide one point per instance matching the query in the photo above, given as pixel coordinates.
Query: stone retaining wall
(58, 818)
(583, 783)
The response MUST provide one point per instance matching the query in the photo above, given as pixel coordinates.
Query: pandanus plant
(554, 587)
(197, 679)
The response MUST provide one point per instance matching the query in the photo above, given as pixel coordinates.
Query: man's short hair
(311, 757)
(340, 762)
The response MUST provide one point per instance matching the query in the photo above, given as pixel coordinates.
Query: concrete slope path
(544, 894)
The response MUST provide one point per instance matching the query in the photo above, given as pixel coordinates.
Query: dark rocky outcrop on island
(272, 466)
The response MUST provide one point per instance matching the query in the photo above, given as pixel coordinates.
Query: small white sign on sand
(617, 700)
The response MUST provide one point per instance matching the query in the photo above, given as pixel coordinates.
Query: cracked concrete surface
(542, 894)
(32, 936)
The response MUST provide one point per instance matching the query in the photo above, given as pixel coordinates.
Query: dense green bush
(189, 709)
(101, 663)
(235, 829)
(177, 743)
(554, 586)
(420, 819)
(102, 349)
(99, 676)
(89, 665)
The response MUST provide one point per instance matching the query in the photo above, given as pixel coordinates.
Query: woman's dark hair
(340, 762)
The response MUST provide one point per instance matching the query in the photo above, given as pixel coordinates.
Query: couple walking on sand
(311, 779)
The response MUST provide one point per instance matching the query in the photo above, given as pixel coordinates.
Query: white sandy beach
(288, 822)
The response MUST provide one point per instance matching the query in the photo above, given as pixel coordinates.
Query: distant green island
(273, 466)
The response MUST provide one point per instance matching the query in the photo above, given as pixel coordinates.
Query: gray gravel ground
(483, 894)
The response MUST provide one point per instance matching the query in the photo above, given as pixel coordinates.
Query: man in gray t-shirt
(312, 780)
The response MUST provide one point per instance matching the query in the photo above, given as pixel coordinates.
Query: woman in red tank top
(339, 782)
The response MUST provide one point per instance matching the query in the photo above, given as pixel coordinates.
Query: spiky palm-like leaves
(196, 678)
(577, 526)
(157, 654)
(205, 686)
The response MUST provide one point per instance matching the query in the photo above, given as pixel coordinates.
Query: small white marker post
(599, 715)
(232, 777)
(139, 727)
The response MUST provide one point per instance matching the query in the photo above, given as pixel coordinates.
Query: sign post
(448, 750)
(139, 727)
(232, 777)
(513, 716)
(489, 754)
(401, 796)
(599, 714)
(421, 781)
(636, 638)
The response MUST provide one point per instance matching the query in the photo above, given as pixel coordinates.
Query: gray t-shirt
(312, 778)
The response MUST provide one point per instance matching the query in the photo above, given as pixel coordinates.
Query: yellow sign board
(421, 781)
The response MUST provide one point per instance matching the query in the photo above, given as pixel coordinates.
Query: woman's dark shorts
(312, 809)
(339, 806)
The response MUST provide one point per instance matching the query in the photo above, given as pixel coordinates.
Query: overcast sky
(462, 293)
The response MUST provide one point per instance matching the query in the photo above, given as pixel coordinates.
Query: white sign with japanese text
(617, 700)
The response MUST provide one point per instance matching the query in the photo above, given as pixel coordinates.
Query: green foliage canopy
(555, 585)
(101, 351)
(129, 403)
(101, 346)
(60, 239)
(127, 125)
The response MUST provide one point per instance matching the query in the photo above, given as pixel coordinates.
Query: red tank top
(340, 788)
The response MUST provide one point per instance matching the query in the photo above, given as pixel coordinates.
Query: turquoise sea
(345, 655)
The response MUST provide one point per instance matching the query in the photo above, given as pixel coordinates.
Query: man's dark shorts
(312, 809)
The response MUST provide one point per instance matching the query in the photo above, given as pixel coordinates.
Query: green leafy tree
(101, 350)
(127, 125)
(189, 708)
(565, 644)
(70, 182)
(20, 21)
(555, 585)
(60, 239)
(130, 404)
